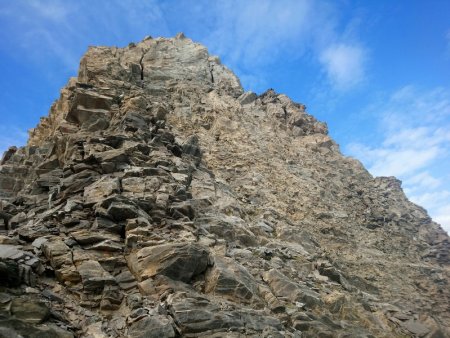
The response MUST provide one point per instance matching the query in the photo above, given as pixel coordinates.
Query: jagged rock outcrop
(158, 199)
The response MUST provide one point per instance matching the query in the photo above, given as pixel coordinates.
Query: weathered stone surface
(232, 281)
(101, 189)
(8, 154)
(14, 328)
(152, 327)
(197, 314)
(282, 286)
(57, 252)
(182, 261)
(417, 328)
(93, 277)
(60, 258)
(33, 312)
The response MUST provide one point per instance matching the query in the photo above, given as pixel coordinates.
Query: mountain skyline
(377, 73)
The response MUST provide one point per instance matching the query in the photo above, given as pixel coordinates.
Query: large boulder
(180, 261)
(232, 281)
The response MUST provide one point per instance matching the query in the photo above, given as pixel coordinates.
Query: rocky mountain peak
(158, 199)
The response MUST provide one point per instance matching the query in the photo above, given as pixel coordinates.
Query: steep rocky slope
(157, 199)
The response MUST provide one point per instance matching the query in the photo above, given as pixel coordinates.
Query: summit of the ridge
(155, 61)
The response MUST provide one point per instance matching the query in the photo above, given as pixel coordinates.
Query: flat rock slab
(11, 252)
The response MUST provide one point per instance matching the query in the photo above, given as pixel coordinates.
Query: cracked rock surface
(158, 199)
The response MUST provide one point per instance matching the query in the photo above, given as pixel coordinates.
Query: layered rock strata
(158, 199)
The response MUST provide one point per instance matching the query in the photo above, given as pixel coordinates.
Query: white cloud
(424, 180)
(400, 162)
(57, 32)
(50, 10)
(442, 216)
(431, 198)
(415, 147)
(439, 204)
(255, 32)
(11, 136)
(251, 34)
(344, 65)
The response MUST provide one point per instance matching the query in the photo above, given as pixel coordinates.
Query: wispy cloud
(50, 10)
(58, 32)
(250, 35)
(396, 160)
(415, 147)
(344, 65)
(442, 216)
(256, 32)
(423, 180)
(11, 136)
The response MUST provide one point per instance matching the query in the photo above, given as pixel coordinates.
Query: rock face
(157, 199)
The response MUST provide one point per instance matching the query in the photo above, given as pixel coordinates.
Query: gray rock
(86, 237)
(93, 277)
(247, 97)
(8, 154)
(232, 281)
(282, 286)
(152, 327)
(417, 328)
(14, 328)
(34, 312)
(101, 189)
(197, 314)
(182, 261)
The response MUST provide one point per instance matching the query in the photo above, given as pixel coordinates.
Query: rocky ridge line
(158, 199)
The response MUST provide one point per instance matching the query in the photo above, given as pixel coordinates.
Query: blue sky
(378, 72)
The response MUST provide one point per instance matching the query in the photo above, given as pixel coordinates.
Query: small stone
(31, 290)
